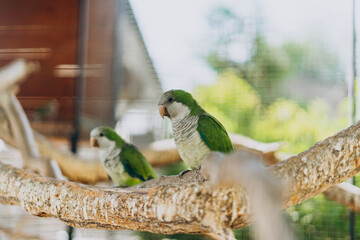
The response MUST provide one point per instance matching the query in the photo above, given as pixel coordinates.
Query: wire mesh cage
(271, 71)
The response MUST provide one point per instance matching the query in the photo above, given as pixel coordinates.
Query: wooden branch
(324, 165)
(165, 152)
(74, 168)
(10, 76)
(346, 194)
(161, 153)
(15, 72)
(22, 137)
(158, 154)
(267, 151)
(191, 207)
(20, 126)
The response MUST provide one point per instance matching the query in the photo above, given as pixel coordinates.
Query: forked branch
(188, 206)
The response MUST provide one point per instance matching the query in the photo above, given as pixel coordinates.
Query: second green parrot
(123, 162)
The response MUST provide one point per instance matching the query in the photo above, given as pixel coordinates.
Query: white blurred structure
(137, 116)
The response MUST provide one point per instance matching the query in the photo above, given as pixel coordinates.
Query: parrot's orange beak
(94, 142)
(163, 111)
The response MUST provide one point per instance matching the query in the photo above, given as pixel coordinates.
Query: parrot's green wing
(135, 163)
(214, 134)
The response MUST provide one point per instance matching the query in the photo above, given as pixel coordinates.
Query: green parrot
(196, 132)
(123, 162)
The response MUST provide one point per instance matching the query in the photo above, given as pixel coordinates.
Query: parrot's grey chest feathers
(110, 158)
(191, 147)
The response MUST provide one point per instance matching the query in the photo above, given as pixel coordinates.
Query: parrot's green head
(105, 137)
(177, 104)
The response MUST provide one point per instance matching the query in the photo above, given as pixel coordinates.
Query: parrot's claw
(183, 173)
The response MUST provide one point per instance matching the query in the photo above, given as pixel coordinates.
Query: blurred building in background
(94, 64)
(137, 115)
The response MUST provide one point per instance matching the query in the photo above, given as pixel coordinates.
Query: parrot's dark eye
(170, 99)
(101, 134)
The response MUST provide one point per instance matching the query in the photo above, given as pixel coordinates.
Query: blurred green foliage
(238, 106)
(248, 97)
(232, 100)
(263, 65)
(265, 68)
(313, 60)
(319, 218)
(299, 127)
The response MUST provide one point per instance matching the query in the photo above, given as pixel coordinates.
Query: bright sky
(175, 32)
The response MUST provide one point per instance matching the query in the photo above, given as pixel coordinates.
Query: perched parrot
(196, 132)
(123, 162)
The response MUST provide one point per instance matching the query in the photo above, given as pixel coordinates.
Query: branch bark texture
(324, 165)
(164, 209)
(192, 206)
